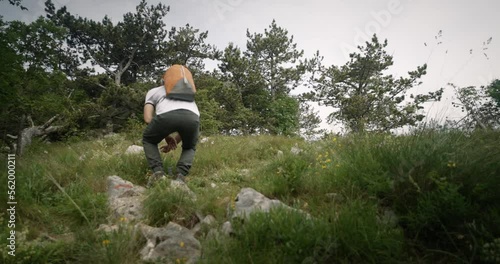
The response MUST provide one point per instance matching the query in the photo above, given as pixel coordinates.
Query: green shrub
(284, 176)
(276, 237)
(120, 247)
(164, 204)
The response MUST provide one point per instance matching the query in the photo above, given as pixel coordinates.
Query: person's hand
(171, 145)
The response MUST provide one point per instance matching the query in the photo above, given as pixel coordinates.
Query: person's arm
(177, 138)
(172, 142)
(149, 111)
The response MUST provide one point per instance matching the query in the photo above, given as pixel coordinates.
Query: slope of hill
(428, 197)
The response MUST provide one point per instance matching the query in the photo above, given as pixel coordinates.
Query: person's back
(171, 116)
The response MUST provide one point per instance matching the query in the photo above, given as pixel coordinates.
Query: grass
(441, 185)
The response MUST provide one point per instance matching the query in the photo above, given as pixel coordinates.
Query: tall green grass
(442, 187)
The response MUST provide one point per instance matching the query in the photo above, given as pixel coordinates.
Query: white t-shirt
(156, 97)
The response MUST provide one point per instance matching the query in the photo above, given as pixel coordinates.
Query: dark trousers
(186, 123)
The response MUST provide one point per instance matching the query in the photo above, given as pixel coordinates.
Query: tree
(480, 105)
(11, 75)
(129, 47)
(187, 46)
(309, 120)
(42, 45)
(275, 57)
(365, 98)
(17, 3)
(493, 90)
(262, 77)
(33, 88)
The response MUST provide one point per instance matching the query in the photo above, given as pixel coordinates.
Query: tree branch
(108, 70)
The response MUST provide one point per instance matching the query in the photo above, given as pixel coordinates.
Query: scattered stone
(249, 201)
(227, 228)
(179, 185)
(204, 140)
(295, 150)
(207, 221)
(213, 185)
(280, 153)
(134, 149)
(170, 243)
(199, 215)
(389, 218)
(125, 199)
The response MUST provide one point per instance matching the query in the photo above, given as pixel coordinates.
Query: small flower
(323, 166)
(334, 139)
(181, 244)
(123, 219)
(328, 161)
(451, 164)
(105, 242)
(178, 261)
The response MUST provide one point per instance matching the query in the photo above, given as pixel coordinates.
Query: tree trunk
(118, 78)
(26, 135)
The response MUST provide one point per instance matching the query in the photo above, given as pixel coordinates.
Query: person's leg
(155, 132)
(188, 130)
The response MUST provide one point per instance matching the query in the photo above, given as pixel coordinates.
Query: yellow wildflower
(105, 242)
(452, 164)
(182, 244)
(123, 219)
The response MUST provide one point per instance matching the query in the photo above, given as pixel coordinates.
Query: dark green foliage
(281, 236)
(17, 3)
(260, 80)
(127, 50)
(285, 177)
(480, 104)
(368, 99)
(442, 185)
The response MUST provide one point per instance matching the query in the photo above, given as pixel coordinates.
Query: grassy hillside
(429, 197)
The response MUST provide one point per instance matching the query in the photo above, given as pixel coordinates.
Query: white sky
(335, 27)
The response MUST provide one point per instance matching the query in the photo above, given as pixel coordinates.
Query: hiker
(176, 111)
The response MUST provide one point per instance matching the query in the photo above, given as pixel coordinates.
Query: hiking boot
(157, 176)
(181, 178)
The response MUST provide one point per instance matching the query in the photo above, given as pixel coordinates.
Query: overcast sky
(335, 27)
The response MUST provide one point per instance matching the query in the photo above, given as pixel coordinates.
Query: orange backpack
(179, 84)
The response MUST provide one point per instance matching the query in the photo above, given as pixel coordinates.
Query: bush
(276, 237)
(164, 204)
